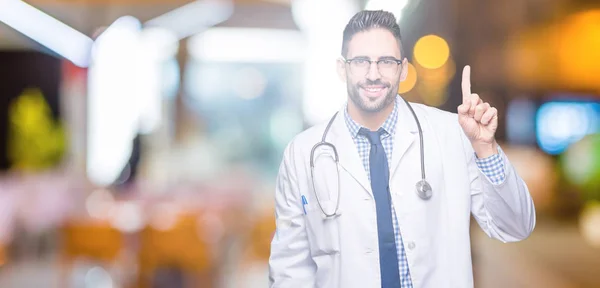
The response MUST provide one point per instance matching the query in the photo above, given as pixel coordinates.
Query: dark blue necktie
(388, 256)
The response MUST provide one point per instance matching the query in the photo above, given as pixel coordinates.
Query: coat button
(411, 245)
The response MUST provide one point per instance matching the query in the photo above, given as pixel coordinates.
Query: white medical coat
(311, 251)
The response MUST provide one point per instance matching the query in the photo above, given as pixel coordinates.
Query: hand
(478, 120)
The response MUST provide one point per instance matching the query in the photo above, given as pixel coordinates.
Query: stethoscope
(423, 188)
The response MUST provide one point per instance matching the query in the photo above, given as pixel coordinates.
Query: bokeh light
(561, 55)
(100, 204)
(250, 83)
(439, 76)
(99, 278)
(432, 83)
(127, 217)
(410, 81)
(581, 165)
(431, 51)
(589, 223)
(578, 45)
(561, 123)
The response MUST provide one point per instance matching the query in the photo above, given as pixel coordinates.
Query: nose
(373, 73)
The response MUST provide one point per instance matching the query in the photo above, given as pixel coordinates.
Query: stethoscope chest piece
(424, 189)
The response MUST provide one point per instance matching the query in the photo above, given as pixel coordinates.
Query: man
(384, 233)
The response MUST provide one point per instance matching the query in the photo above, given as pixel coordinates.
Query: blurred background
(140, 139)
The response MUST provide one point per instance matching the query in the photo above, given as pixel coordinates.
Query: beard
(367, 105)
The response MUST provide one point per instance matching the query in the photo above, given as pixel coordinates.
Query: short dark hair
(366, 20)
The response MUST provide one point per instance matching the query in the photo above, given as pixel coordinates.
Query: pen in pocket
(304, 203)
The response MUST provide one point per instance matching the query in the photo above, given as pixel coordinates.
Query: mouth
(374, 91)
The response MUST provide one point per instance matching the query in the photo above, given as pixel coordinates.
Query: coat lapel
(349, 159)
(405, 135)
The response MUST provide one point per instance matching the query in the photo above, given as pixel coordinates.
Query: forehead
(373, 43)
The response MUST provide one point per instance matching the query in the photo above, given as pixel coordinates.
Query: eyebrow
(387, 57)
(380, 58)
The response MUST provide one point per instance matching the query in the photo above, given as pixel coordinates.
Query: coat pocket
(322, 231)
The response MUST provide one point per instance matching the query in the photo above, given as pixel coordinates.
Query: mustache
(377, 82)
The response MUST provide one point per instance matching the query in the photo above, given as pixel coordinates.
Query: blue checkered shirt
(492, 167)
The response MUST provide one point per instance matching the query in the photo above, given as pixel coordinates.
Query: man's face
(372, 86)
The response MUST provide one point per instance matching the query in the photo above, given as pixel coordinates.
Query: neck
(371, 120)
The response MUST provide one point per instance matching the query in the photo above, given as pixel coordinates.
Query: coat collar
(389, 125)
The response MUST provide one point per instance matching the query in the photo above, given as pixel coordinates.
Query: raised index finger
(466, 83)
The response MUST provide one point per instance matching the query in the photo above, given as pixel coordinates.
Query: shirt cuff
(493, 167)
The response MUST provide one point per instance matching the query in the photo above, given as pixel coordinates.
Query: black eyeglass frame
(349, 61)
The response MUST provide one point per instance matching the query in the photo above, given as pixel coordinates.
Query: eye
(360, 61)
(388, 62)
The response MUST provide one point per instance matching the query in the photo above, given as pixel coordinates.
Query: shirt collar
(389, 125)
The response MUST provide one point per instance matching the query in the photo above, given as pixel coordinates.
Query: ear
(404, 72)
(341, 69)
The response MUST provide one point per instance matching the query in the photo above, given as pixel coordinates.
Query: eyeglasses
(386, 66)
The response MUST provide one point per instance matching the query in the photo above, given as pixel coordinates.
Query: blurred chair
(3, 259)
(95, 241)
(181, 247)
(261, 235)
(256, 247)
